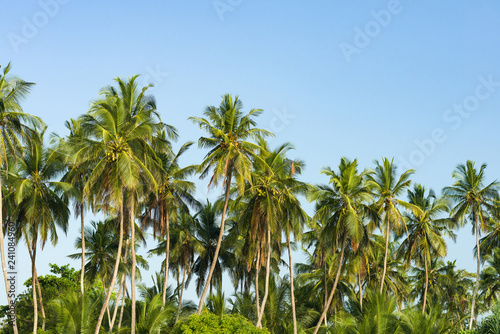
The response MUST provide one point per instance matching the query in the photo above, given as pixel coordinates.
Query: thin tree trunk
(326, 291)
(266, 286)
(167, 252)
(134, 264)
(292, 294)
(219, 242)
(257, 272)
(360, 291)
(12, 316)
(82, 274)
(115, 270)
(39, 289)
(337, 277)
(477, 275)
(386, 253)
(115, 311)
(33, 285)
(180, 297)
(426, 283)
(123, 305)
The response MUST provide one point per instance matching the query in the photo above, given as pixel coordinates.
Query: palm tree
(271, 205)
(40, 208)
(475, 203)
(386, 187)
(75, 313)
(425, 230)
(207, 230)
(230, 153)
(13, 127)
(116, 135)
(342, 206)
(174, 192)
(490, 278)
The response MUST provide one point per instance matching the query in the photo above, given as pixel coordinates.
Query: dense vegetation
(374, 245)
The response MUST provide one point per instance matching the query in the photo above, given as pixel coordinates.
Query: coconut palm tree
(474, 203)
(40, 208)
(117, 132)
(426, 230)
(490, 278)
(386, 187)
(342, 205)
(174, 193)
(230, 154)
(13, 127)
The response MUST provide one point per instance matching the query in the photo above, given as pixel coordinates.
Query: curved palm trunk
(82, 226)
(292, 294)
(386, 253)
(337, 277)
(219, 241)
(266, 286)
(134, 264)
(426, 283)
(477, 275)
(4, 266)
(115, 311)
(123, 306)
(115, 272)
(33, 287)
(182, 292)
(39, 289)
(167, 252)
(325, 278)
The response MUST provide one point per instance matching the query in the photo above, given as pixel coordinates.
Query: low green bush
(208, 323)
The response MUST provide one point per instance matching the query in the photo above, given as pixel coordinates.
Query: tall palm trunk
(360, 291)
(325, 278)
(337, 277)
(477, 275)
(181, 294)
(257, 273)
(292, 293)
(115, 311)
(219, 240)
(167, 253)
(39, 289)
(386, 253)
(82, 226)
(134, 260)
(266, 286)
(426, 283)
(4, 267)
(33, 286)
(115, 270)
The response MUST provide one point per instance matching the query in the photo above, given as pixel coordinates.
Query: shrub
(207, 323)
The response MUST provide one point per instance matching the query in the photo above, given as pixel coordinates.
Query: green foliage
(207, 323)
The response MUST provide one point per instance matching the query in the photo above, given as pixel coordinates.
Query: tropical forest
(370, 257)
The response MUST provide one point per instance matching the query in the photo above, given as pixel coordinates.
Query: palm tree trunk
(39, 289)
(115, 311)
(33, 286)
(337, 277)
(219, 241)
(4, 268)
(426, 283)
(477, 275)
(386, 251)
(82, 226)
(257, 272)
(326, 291)
(292, 294)
(167, 252)
(123, 306)
(266, 286)
(115, 269)
(180, 297)
(132, 272)
(360, 291)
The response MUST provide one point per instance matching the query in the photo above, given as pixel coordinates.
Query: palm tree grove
(265, 251)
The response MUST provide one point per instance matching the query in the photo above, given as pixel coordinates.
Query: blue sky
(415, 80)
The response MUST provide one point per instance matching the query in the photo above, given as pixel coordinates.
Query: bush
(207, 323)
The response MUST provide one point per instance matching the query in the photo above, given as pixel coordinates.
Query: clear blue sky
(414, 80)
